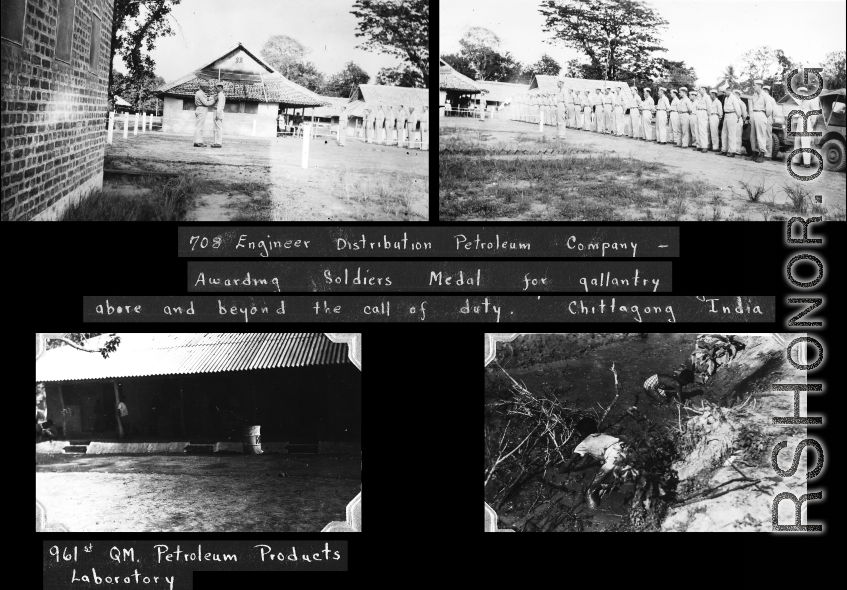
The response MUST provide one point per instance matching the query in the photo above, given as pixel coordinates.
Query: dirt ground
(178, 493)
(356, 182)
(722, 197)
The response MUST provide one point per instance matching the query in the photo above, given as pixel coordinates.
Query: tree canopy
(344, 82)
(283, 52)
(396, 27)
(834, 69)
(617, 36)
(79, 341)
(546, 65)
(403, 76)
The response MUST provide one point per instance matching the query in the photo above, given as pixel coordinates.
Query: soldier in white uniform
(740, 127)
(648, 107)
(703, 106)
(201, 102)
(608, 118)
(683, 108)
(425, 128)
(561, 109)
(411, 125)
(597, 103)
(380, 124)
(731, 120)
(634, 115)
(342, 125)
(220, 101)
(617, 104)
(571, 106)
(797, 125)
(759, 122)
(390, 123)
(715, 114)
(401, 126)
(586, 111)
(577, 105)
(693, 123)
(662, 108)
(769, 149)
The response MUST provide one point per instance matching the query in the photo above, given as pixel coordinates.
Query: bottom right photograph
(644, 432)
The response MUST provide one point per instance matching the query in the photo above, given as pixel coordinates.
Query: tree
(141, 94)
(673, 74)
(400, 76)
(344, 82)
(136, 25)
(399, 28)
(546, 66)
(461, 63)
(78, 341)
(758, 64)
(833, 70)
(306, 74)
(729, 77)
(283, 53)
(617, 36)
(573, 69)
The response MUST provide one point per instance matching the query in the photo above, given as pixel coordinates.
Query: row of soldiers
(684, 119)
(392, 127)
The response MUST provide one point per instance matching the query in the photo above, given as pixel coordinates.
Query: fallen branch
(617, 394)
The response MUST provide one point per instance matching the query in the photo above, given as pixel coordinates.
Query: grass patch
(378, 196)
(169, 200)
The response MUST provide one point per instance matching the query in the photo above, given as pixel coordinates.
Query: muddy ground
(178, 493)
(720, 198)
(359, 181)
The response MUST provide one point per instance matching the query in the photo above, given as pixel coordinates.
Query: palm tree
(730, 76)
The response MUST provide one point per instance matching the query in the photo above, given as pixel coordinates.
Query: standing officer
(402, 115)
(425, 128)
(798, 125)
(577, 104)
(675, 117)
(412, 125)
(648, 107)
(390, 123)
(662, 108)
(634, 107)
(693, 124)
(607, 111)
(220, 101)
(342, 125)
(760, 106)
(770, 148)
(586, 111)
(561, 109)
(597, 103)
(617, 103)
(703, 106)
(731, 120)
(740, 127)
(684, 108)
(380, 125)
(201, 102)
(571, 106)
(715, 114)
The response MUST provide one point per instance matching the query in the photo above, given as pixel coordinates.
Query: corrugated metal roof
(181, 354)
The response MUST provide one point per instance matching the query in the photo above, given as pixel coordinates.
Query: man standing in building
(684, 108)
(608, 119)
(202, 102)
(760, 106)
(703, 106)
(674, 114)
(123, 416)
(634, 107)
(219, 114)
(561, 109)
(715, 114)
(617, 104)
(766, 90)
(401, 126)
(662, 117)
(648, 107)
(740, 127)
(731, 119)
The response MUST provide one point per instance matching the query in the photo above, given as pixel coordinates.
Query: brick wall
(53, 113)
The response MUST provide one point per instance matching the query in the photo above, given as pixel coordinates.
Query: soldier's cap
(705, 88)
(220, 83)
(646, 89)
(683, 88)
(759, 82)
(663, 88)
(674, 91)
(766, 87)
(713, 91)
(737, 91)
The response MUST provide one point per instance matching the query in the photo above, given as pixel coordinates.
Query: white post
(541, 121)
(307, 130)
(111, 127)
(135, 130)
(151, 122)
(144, 122)
(126, 124)
(254, 127)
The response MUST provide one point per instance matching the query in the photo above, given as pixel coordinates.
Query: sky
(206, 29)
(705, 34)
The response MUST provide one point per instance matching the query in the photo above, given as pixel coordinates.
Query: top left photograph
(181, 110)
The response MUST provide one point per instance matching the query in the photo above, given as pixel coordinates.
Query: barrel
(252, 441)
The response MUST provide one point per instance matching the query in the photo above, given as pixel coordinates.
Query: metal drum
(252, 441)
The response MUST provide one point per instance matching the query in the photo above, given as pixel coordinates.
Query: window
(65, 32)
(13, 14)
(188, 104)
(251, 108)
(94, 58)
(232, 107)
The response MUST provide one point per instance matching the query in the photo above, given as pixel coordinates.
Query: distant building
(255, 92)
(373, 95)
(55, 74)
(455, 89)
(298, 388)
(499, 94)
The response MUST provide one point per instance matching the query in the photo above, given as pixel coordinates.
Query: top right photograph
(625, 110)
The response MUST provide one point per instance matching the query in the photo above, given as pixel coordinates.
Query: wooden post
(135, 129)
(62, 401)
(117, 401)
(144, 122)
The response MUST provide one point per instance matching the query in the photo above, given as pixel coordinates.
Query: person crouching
(611, 453)
(669, 386)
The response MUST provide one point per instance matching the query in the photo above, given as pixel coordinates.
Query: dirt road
(720, 173)
(357, 181)
(196, 493)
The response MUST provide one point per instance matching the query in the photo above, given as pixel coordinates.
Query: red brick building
(55, 74)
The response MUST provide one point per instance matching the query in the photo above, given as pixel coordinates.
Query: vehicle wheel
(774, 146)
(833, 155)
